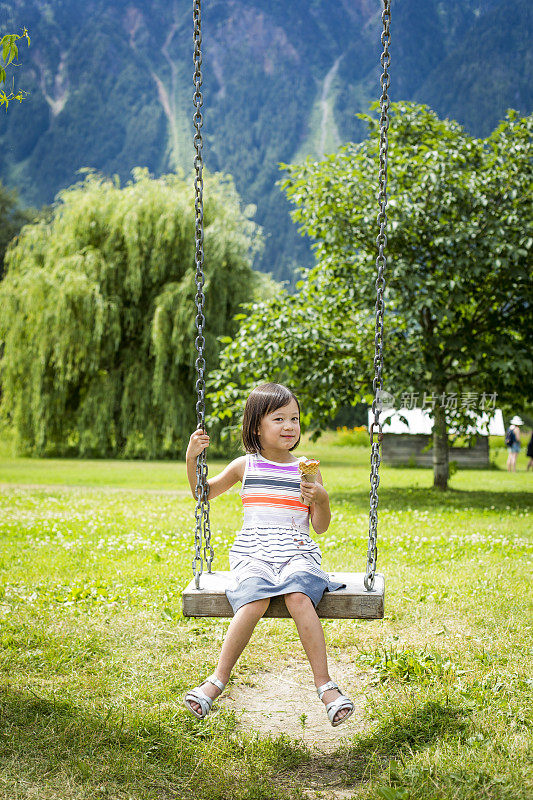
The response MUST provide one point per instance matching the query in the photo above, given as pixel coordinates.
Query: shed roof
(419, 422)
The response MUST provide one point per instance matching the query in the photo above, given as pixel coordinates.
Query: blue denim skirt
(255, 588)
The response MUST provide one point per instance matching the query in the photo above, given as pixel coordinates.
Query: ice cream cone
(309, 470)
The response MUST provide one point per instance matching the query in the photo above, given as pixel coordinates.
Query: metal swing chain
(381, 263)
(202, 527)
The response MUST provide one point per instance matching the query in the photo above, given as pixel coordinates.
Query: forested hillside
(110, 87)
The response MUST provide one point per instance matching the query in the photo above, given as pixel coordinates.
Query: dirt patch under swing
(274, 702)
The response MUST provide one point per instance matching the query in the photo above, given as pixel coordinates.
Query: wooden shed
(406, 443)
(407, 448)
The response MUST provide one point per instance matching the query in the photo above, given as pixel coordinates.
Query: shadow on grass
(400, 499)
(59, 749)
(396, 739)
(54, 745)
(402, 736)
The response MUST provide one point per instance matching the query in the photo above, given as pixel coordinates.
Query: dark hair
(261, 401)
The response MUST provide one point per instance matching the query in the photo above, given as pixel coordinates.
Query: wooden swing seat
(354, 602)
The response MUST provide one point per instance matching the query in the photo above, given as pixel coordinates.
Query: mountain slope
(111, 87)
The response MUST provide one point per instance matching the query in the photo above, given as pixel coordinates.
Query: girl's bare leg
(237, 637)
(311, 635)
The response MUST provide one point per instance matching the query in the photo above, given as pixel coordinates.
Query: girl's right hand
(197, 443)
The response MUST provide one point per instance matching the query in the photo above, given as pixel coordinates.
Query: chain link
(202, 527)
(381, 263)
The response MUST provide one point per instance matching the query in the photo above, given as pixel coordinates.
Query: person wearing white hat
(512, 440)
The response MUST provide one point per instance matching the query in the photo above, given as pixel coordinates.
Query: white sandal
(336, 705)
(199, 696)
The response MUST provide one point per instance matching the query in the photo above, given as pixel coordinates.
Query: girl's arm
(318, 499)
(226, 479)
(220, 483)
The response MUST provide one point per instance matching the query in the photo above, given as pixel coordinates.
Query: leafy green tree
(10, 52)
(12, 218)
(459, 293)
(97, 314)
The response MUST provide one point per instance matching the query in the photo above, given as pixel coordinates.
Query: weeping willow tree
(97, 314)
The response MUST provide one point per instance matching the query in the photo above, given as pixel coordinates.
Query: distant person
(529, 452)
(512, 440)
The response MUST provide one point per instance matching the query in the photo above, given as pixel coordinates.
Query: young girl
(273, 554)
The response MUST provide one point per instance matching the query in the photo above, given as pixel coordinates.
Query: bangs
(263, 400)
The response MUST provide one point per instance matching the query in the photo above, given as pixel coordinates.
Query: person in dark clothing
(512, 440)
(529, 452)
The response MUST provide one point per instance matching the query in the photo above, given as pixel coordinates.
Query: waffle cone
(309, 469)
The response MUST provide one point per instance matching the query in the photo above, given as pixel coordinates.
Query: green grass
(96, 653)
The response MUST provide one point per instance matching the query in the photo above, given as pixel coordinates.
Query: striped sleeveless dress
(273, 553)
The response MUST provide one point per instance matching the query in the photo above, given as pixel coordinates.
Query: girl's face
(280, 429)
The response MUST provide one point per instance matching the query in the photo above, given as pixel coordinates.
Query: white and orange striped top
(276, 522)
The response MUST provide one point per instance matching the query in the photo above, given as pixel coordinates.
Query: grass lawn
(95, 652)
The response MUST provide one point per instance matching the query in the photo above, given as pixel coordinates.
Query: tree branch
(462, 375)
(481, 323)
